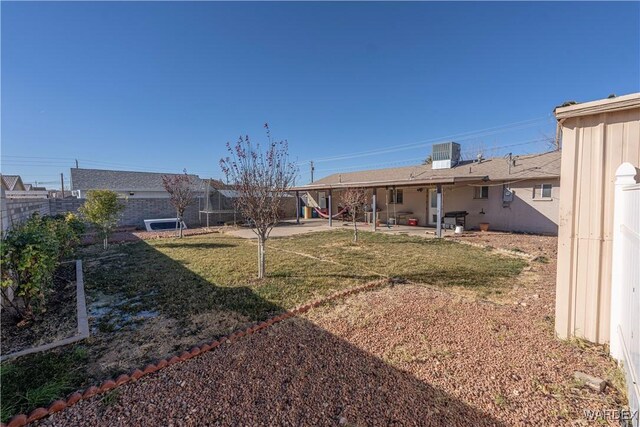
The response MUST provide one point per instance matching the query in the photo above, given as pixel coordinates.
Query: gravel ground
(401, 355)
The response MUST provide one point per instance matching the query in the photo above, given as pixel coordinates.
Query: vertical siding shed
(596, 138)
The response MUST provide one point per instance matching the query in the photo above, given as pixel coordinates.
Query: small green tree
(101, 209)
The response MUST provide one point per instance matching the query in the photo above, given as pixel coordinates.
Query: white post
(330, 208)
(374, 213)
(625, 175)
(439, 209)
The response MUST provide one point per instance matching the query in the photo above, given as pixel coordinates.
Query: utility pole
(312, 169)
(76, 163)
(62, 184)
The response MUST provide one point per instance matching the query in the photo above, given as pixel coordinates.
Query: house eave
(389, 183)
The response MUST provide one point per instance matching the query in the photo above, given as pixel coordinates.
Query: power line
(466, 153)
(464, 136)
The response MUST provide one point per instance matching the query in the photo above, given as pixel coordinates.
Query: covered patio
(410, 205)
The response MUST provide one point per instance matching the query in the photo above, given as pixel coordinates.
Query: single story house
(511, 193)
(12, 183)
(129, 184)
(15, 188)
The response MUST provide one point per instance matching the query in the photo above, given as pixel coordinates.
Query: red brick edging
(107, 385)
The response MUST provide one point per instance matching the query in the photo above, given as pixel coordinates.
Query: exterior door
(322, 199)
(432, 209)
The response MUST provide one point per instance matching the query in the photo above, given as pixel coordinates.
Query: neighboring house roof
(28, 187)
(100, 179)
(12, 183)
(530, 166)
(229, 193)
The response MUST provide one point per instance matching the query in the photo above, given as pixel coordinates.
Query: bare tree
(180, 189)
(354, 200)
(262, 178)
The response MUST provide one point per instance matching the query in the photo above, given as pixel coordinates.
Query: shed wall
(592, 149)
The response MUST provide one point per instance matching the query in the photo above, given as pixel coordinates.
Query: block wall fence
(134, 213)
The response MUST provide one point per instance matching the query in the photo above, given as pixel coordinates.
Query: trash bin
(308, 212)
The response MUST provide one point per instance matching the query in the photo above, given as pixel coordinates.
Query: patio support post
(439, 209)
(297, 207)
(374, 213)
(330, 210)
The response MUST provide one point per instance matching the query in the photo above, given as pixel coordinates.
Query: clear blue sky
(163, 86)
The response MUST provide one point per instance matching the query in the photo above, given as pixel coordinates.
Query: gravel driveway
(401, 355)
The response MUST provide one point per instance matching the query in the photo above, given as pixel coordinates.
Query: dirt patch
(134, 235)
(529, 244)
(124, 339)
(58, 321)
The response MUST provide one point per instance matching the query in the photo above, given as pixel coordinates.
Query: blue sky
(163, 86)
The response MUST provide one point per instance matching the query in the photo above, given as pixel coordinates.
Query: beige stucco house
(512, 193)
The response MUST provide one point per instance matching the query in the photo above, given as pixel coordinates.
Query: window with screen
(542, 191)
(481, 192)
(395, 196)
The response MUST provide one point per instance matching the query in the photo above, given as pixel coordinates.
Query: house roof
(530, 166)
(12, 182)
(616, 103)
(94, 179)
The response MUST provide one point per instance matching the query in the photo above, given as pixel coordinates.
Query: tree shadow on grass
(360, 277)
(294, 373)
(191, 245)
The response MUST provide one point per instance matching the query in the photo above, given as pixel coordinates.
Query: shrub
(29, 255)
(75, 223)
(66, 237)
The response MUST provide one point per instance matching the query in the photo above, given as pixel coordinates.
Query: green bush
(75, 223)
(29, 255)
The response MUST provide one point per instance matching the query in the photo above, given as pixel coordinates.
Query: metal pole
(330, 211)
(439, 209)
(312, 169)
(62, 184)
(297, 207)
(374, 213)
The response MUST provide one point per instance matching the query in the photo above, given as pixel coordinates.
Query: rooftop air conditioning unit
(445, 155)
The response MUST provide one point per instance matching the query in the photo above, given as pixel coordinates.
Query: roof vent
(445, 155)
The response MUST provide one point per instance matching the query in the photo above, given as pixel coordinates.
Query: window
(542, 191)
(395, 196)
(322, 199)
(481, 192)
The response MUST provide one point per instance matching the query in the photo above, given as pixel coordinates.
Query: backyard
(454, 332)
